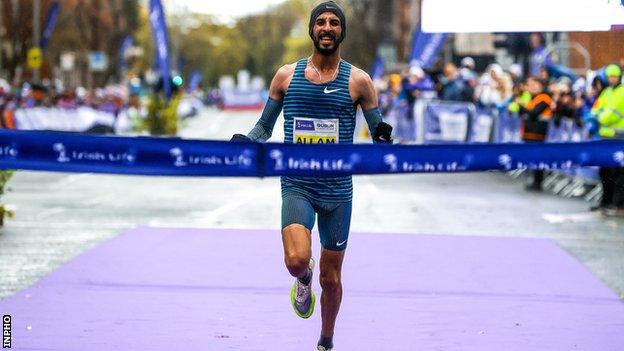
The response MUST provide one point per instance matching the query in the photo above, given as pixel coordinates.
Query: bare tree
(369, 24)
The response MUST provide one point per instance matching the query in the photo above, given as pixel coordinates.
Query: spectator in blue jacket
(539, 58)
(453, 87)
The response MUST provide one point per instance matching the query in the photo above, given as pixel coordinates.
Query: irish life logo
(6, 332)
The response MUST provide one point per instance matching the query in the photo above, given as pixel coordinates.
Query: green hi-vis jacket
(611, 117)
(601, 101)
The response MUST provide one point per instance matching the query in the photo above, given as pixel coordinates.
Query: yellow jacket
(611, 118)
(601, 101)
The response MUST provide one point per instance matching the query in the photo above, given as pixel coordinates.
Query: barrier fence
(79, 119)
(456, 122)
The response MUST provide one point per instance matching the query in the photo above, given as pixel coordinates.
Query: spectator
(515, 71)
(494, 87)
(521, 97)
(611, 119)
(566, 105)
(545, 76)
(597, 88)
(384, 92)
(591, 108)
(539, 58)
(536, 116)
(453, 87)
(417, 85)
(395, 86)
(467, 70)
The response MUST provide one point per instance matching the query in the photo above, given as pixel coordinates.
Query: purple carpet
(192, 289)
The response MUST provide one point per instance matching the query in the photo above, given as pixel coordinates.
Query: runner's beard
(326, 51)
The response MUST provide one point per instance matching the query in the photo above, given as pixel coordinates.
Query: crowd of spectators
(131, 102)
(572, 97)
(542, 95)
(112, 99)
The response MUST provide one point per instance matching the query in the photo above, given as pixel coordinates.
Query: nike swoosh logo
(341, 243)
(330, 91)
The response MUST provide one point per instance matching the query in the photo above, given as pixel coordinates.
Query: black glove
(383, 133)
(240, 138)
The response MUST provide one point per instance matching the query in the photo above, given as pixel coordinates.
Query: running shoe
(302, 297)
(322, 348)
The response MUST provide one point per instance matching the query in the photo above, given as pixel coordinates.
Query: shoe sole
(313, 298)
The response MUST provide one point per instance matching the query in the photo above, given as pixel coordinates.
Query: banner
(565, 131)
(447, 122)
(49, 25)
(78, 119)
(482, 126)
(237, 99)
(508, 127)
(425, 48)
(161, 38)
(68, 152)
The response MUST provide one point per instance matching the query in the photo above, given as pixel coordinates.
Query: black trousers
(612, 180)
(538, 178)
(538, 175)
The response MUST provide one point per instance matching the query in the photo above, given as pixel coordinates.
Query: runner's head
(328, 27)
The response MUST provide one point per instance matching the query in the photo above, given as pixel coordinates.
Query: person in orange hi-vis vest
(536, 116)
(8, 119)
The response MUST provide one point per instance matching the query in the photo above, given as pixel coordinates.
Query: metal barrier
(437, 122)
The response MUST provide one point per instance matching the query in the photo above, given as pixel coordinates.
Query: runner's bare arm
(281, 81)
(263, 129)
(364, 94)
(362, 86)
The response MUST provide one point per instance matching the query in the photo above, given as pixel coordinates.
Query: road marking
(582, 217)
(72, 178)
(212, 218)
(50, 212)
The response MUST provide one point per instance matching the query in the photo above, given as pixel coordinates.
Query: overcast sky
(224, 10)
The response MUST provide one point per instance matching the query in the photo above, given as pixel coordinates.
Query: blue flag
(161, 38)
(425, 48)
(377, 70)
(49, 25)
(194, 81)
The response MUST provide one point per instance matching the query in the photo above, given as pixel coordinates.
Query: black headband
(329, 6)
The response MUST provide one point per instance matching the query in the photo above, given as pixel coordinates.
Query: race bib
(315, 131)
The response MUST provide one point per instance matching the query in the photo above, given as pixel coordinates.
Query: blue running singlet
(319, 113)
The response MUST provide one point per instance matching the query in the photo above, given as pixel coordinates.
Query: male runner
(319, 96)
